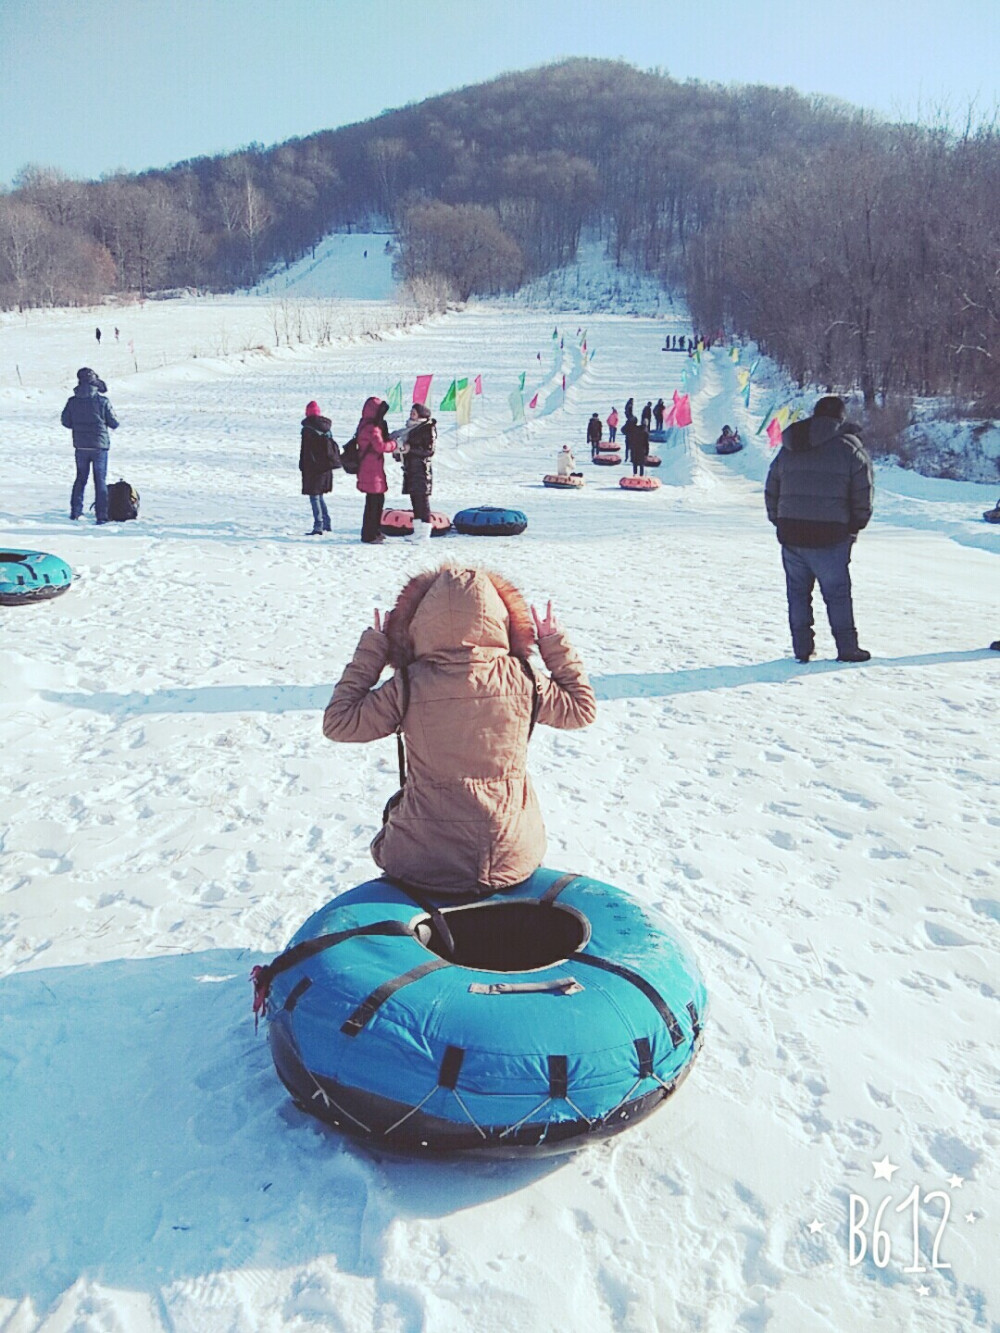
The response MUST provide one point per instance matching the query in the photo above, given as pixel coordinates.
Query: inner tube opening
(10, 557)
(507, 937)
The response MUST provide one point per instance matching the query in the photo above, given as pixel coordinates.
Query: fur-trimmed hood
(456, 609)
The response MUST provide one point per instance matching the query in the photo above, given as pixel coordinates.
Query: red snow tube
(652, 460)
(607, 458)
(993, 515)
(399, 523)
(570, 483)
(639, 484)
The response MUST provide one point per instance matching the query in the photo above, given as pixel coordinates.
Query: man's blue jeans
(829, 566)
(85, 460)
(321, 515)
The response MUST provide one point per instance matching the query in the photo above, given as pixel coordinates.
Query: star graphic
(816, 1227)
(971, 1218)
(884, 1169)
(923, 1290)
(956, 1182)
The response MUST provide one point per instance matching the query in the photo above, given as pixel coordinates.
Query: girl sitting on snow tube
(464, 695)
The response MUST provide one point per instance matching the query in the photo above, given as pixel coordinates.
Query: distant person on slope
(89, 415)
(658, 412)
(729, 441)
(612, 425)
(468, 820)
(318, 456)
(647, 415)
(594, 433)
(373, 443)
(819, 493)
(415, 442)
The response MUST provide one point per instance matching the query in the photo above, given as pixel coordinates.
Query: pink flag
(677, 397)
(774, 432)
(682, 415)
(479, 384)
(564, 384)
(534, 401)
(422, 388)
(584, 344)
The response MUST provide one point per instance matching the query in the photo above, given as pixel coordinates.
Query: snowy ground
(826, 836)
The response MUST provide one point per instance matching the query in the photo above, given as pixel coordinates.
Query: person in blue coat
(89, 416)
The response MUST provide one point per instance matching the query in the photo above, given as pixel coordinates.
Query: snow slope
(826, 836)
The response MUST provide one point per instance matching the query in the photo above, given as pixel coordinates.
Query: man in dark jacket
(819, 497)
(594, 432)
(89, 416)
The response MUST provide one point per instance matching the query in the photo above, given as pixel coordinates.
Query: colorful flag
(534, 402)
(448, 401)
(682, 416)
(516, 405)
(564, 384)
(479, 385)
(734, 353)
(584, 344)
(774, 432)
(463, 404)
(767, 418)
(555, 333)
(539, 355)
(394, 397)
(422, 388)
(520, 383)
(746, 393)
(560, 344)
(743, 377)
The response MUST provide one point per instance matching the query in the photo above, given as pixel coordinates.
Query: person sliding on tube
(465, 698)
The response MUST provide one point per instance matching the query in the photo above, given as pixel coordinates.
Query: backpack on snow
(350, 458)
(123, 502)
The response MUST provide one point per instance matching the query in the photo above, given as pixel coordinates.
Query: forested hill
(856, 251)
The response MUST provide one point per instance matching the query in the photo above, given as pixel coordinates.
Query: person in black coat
(658, 412)
(594, 432)
(318, 456)
(647, 415)
(417, 440)
(638, 447)
(89, 415)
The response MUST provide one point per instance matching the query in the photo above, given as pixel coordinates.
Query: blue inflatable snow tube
(32, 576)
(490, 521)
(532, 1021)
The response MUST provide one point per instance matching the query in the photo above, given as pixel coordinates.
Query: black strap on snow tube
(640, 982)
(556, 887)
(558, 1076)
(262, 977)
(644, 1050)
(368, 1007)
(425, 905)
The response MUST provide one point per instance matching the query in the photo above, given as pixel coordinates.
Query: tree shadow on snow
(625, 685)
(148, 1139)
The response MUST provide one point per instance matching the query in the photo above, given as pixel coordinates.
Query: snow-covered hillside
(825, 836)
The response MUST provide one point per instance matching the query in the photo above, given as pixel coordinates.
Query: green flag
(395, 397)
(448, 401)
(520, 383)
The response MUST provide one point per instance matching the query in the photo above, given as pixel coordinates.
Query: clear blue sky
(89, 86)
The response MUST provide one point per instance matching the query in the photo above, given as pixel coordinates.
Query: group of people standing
(412, 445)
(635, 432)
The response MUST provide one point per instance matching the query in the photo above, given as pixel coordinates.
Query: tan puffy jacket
(469, 820)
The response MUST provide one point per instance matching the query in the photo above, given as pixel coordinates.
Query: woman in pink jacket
(373, 443)
(612, 424)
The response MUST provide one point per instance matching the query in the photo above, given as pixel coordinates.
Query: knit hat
(312, 410)
(86, 376)
(422, 411)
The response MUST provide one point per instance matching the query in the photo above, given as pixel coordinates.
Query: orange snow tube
(607, 458)
(570, 483)
(639, 484)
(399, 523)
(652, 460)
